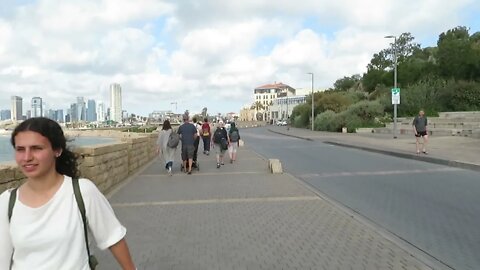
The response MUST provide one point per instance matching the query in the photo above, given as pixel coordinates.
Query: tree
(459, 54)
(346, 82)
(380, 69)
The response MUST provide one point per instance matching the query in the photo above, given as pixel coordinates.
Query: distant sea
(7, 153)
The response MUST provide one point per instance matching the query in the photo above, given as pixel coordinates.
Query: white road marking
(393, 172)
(210, 201)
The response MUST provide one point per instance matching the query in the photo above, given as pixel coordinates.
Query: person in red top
(206, 135)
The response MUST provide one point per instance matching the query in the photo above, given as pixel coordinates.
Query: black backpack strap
(81, 207)
(11, 202)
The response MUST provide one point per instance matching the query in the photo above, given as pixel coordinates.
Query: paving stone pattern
(222, 219)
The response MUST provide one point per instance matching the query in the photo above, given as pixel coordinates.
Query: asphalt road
(434, 208)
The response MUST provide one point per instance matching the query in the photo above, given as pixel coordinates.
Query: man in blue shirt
(188, 134)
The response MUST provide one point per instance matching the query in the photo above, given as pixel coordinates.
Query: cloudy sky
(209, 53)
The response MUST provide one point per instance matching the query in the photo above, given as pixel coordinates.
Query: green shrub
(327, 121)
(300, 116)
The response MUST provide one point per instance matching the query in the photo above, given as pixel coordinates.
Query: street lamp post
(171, 103)
(394, 84)
(313, 100)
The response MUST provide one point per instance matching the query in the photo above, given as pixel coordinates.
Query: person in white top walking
(163, 149)
(45, 229)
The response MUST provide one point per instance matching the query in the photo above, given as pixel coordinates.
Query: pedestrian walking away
(163, 149)
(206, 136)
(188, 134)
(44, 222)
(220, 142)
(196, 143)
(420, 130)
(234, 141)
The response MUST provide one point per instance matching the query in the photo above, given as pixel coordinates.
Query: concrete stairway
(446, 124)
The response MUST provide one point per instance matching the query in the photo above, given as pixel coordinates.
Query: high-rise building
(116, 102)
(17, 108)
(5, 114)
(51, 114)
(73, 113)
(91, 111)
(101, 112)
(59, 116)
(37, 107)
(81, 109)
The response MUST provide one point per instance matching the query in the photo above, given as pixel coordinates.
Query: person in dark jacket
(220, 142)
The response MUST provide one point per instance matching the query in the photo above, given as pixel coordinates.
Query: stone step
(431, 131)
(469, 114)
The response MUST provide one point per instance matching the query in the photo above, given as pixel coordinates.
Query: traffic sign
(395, 95)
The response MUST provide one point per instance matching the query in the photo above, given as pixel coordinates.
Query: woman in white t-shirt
(46, 228)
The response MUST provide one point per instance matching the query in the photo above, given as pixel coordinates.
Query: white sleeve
(6, 247)
(103, 223)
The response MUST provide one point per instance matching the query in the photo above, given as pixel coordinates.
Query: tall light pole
(171, 103)
(394, 84)
(313, 100)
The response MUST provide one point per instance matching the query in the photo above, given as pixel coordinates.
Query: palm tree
(257, 106)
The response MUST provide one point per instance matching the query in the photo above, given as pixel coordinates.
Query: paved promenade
(243, 217)
(454, 151)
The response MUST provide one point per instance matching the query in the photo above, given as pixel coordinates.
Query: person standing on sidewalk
(163, 149)
(420, 129)
(188, 133)
(206, 136)
(234, 141)
(220, 142)
(44, 228)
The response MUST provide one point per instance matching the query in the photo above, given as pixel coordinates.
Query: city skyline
(210, 55)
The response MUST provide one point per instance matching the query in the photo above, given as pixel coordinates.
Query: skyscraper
(91, 111)
(101, 112)
(17, 108)
(116, 102)
(73, 113)
(81, 109)
(37, 107)
(5, 115)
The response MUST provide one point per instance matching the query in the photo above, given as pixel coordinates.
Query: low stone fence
(106, 165)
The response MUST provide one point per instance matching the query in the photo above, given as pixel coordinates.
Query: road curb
(290, 135)
(440, 161)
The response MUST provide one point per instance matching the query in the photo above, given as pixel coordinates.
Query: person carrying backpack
(220, 142)
(206, 136)
(234, 141)
(45, 225)
(164, 148)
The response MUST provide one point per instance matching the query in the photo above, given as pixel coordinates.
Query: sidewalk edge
(290, 135)
(440, 161)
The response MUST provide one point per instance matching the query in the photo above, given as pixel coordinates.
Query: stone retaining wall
(106, 165)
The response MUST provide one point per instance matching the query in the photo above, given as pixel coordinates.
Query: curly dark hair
(66, 163)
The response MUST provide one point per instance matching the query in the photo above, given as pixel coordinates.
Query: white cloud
(198, 53)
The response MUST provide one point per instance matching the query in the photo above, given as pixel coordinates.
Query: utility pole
(313, 101)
